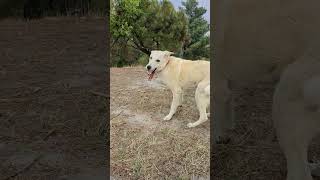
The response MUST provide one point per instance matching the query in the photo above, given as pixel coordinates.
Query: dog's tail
(311, 93)
(207, 90)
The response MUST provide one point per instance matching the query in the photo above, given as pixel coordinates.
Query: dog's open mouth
(151, 74)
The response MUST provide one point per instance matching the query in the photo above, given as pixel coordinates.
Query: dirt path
(48, 68)
(143, 146)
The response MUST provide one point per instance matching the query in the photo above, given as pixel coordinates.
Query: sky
(202, 3)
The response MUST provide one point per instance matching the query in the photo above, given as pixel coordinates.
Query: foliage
(39, 8)
(124, 55)
(196, 44)
(145, 25)
(148, 24)
(143, 60)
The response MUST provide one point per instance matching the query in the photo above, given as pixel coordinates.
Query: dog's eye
(158, 60)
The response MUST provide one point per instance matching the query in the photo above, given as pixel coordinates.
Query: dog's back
(191, 72)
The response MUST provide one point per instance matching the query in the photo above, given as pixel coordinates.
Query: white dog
(178, 73)
(260, 40)
(296, 114)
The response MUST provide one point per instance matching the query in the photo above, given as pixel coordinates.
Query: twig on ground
(36, 89)
(99, 94)
(117, 115)
(63, 50)
(27, 167)
(156, 168)
(51, 132)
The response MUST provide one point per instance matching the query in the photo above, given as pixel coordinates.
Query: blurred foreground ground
(49, 119)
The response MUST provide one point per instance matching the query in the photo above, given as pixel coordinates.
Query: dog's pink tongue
(151, 76)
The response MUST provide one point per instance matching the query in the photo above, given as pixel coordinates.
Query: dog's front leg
(181, 98)
(223, 110)
(176, 101)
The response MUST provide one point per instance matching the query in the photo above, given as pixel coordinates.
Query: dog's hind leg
(203, 101)
(294, 136)
(207, 91)
(176, 101)
(296, 155)
(296, 115)
(311, 96)
(294, 140)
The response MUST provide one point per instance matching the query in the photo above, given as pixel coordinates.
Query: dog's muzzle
(151, 73)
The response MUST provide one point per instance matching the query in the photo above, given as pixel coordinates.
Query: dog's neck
(162, 71)
(165, 65)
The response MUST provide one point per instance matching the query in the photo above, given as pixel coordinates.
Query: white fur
(178, 73)
(262, 40)
(296, 114)
(311, 91)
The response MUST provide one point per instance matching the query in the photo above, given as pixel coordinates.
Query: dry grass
(161, 153)
(145, 147)
(48, 67)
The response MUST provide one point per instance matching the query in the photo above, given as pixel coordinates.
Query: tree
(30, 9)
(196, 45)
(147, 24)
(7, 7)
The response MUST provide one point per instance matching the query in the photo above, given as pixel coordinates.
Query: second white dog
(178, 73)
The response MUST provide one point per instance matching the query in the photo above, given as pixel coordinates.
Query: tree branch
(114, 42)
(140, 44)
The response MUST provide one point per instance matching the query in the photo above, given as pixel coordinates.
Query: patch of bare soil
(254, 152)
(143, 146)
(49, 119)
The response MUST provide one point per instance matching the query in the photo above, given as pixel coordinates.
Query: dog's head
(157, 62)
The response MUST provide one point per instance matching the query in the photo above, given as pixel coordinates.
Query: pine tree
(196, 44)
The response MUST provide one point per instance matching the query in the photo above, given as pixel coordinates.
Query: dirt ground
(143, 146)
(254, 152)
(51, 124)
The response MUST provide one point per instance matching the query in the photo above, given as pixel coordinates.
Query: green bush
(143, 60)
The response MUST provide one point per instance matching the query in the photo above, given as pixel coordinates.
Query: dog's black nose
(149, 67)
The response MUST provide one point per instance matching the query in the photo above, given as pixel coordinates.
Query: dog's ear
(168, 53)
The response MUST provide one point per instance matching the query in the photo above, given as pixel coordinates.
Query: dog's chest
(160, 81)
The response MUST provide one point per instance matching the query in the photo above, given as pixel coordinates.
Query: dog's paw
(315, 168)
(191, 125)
(167, 118)
(316, 172)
